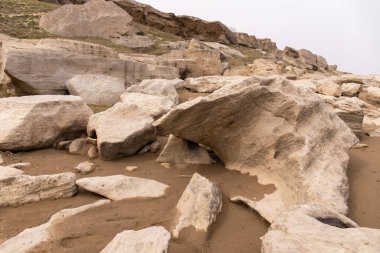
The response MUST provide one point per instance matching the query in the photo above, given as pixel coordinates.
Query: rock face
(314, 229)
(96, 89)
(17, 190)
(96, 18)
(208, 84)
(121, 131)
(198, 206)
(180, 151)
(148, 240)
(224, 50)
(123, 187)
(271, 125)
(34, 122)
(371, 95)
(32, 237)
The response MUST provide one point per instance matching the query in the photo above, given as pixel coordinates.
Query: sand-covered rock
(97, 18)
(121, 187)
(96, 89)
(315, 229)
(265, 125)
(198, 206)
(34, 122)
(122, 130)
(148, 240)
(210, 84)
(17, 190)
(32, 237)
(180, 151)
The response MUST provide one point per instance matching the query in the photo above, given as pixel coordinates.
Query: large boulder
(34, 122)
(18, 189)
(121, 187)
(30, 238)
(264, 125)
(315, 229)
(96, 89)
(96, 18)
(371, 95)
(148, 240)
(122, 130)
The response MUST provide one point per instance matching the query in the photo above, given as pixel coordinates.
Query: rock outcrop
(271, 125)
(209, 84)
(120, 187)
(34, 122)
(148, 240)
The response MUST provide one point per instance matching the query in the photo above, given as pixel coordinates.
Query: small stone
(131, 168)
(92, 141)
(85, 168)
(360, 146)
(77, 146)
(93, 152)
(19, 165)
(63, 145)
(155, 147)
(144, 149)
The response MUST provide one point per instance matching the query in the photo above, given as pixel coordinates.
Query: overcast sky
(345, 32)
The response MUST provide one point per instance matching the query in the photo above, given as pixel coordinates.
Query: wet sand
(237, 229)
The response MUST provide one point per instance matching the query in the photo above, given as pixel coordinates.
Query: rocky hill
(141, 131)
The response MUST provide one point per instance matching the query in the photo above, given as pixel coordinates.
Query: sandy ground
(237, 229)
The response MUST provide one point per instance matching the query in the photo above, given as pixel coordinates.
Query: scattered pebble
(19, 165)
(63, 145)
(85, 168)
(155, 147)
(93, 152)
(131, 168)
(360, 146)
(144, 150)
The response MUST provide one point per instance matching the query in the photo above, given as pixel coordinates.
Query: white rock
(350, 89)
(96, 89)
(85, 168)
(19, 165)
(198, 206)
(371, 122)
(6, 172)
(32, 237)
(21, 189)
(148, 240)
(33, 122)
(120, 187)
(208, 84)
(131, 168)
(371, 95)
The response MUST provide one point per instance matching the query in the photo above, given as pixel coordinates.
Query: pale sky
(345, 32)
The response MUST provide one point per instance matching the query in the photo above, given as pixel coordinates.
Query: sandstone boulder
(350, 89)
(79, 146)
(180, 151)
(208, 84)
(96, 89)
(315, 229)
(371, 95)
(121, 131)
(148, 240)
(120, 187)
(329, 88)
(371, 122)
(34, 122)
(17, 190)
(265, 125)
(97, 18)
(224, 50)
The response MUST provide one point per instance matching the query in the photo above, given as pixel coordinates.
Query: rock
(78, 147)
(224, 50)
(350, 89)
(184, 26)
(155, 147)
(208, 84)
(22, 189)
(131, 168)
(305, 59)
(28, 239)
(92, 141)
(85, 168)
(314, 229)
(134, 41)
(121, 131)
(180, 151)
(34, 122)
(198, 206)
(157, 87)
(96, 18)
(329, 89)
(360, 146)
(93, 152)
(120, 187)
(144, 150)
(19, 165)
(6, 172)
(279, 127)
(1, 159)
(148, 240)
(96, 89)
(371, 123)
(154, 106)
(63, 145)
(371, 95)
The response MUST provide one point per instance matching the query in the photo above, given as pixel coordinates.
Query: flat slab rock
(148, 240)
(315, 229)
(121, 187)
(32, 237)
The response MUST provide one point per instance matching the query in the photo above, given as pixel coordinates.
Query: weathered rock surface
(6, 172)
(271, 125)
(85, 168)
(93, 152)
(19, 165)
(314, 229)
(121, 131)
(32, 237)
(34, 122)
(21, 189)
(148, 240)
(329, 88)
(350, 89)
(180, 151)
(371, 122)
(371, 95)
(97, 18)
(96, 89)
(79, 146)
(208, 84)
(198, 206)
(120, 187)
(224, 50)
(134, 41)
